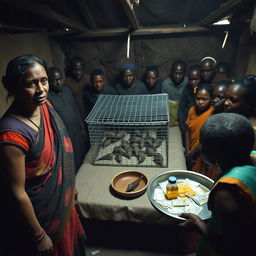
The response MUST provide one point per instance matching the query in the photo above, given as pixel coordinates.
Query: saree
(50, 180)
(194, 123)
(241, 182)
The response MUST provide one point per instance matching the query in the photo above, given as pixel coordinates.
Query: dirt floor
(107, 238)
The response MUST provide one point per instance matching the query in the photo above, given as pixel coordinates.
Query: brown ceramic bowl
(120, 182)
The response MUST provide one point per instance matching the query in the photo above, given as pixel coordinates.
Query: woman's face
(202, 100)
(32, 91)
(235, 101)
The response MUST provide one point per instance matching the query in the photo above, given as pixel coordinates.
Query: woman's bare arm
(12, 163)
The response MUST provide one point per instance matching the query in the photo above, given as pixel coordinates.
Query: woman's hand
(191, 221)
(45, 246)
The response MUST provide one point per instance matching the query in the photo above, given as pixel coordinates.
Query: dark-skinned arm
(12, 163)
(228, 212)
(191, 155)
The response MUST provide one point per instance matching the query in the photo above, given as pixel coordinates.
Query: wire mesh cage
(129, 130)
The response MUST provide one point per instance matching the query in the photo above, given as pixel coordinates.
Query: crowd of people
(44, 139)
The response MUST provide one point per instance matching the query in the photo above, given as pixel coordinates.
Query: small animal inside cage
(129, 130)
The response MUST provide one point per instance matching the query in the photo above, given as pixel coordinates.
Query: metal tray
(179, 174)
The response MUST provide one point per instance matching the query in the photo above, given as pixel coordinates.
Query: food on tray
(185, 188)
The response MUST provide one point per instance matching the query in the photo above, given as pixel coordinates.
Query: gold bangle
(39, 238)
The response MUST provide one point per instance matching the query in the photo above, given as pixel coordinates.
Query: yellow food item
(185, 188)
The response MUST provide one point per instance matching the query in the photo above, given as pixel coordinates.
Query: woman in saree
(197, 115)
(226, 142)
(36, 169)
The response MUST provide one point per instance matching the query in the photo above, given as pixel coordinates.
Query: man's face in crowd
(207, 70)
(128, 77)
(55, 80)
(194, 78)
(178, 74)
(151, 79)
(77, 71)
(98, 82)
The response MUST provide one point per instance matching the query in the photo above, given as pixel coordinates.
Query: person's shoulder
(137, 81)
(192, 110)
(66, 89)
(86, 78)
(67, 81)
(8, 121)
(211, 110)
(139, 85)
(51, 95)
(13, 124)
(88, 92)
(166, 80)
(118, 87)
(185, 81)
(109, 89)
(160, 82)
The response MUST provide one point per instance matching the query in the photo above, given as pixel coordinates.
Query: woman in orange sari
(197, 115)
(36, 170)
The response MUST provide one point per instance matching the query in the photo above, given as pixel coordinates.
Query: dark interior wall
(246, 54)
(108, 54)
(159, 51)
(13, 45)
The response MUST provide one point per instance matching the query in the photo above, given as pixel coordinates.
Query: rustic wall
(19, 44)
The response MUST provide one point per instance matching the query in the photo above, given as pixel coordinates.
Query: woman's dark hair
(16, 70)
(206, 87)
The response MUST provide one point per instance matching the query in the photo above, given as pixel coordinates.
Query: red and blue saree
(50, 178)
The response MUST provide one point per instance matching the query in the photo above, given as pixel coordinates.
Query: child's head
(194, 76)
(203, 97)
